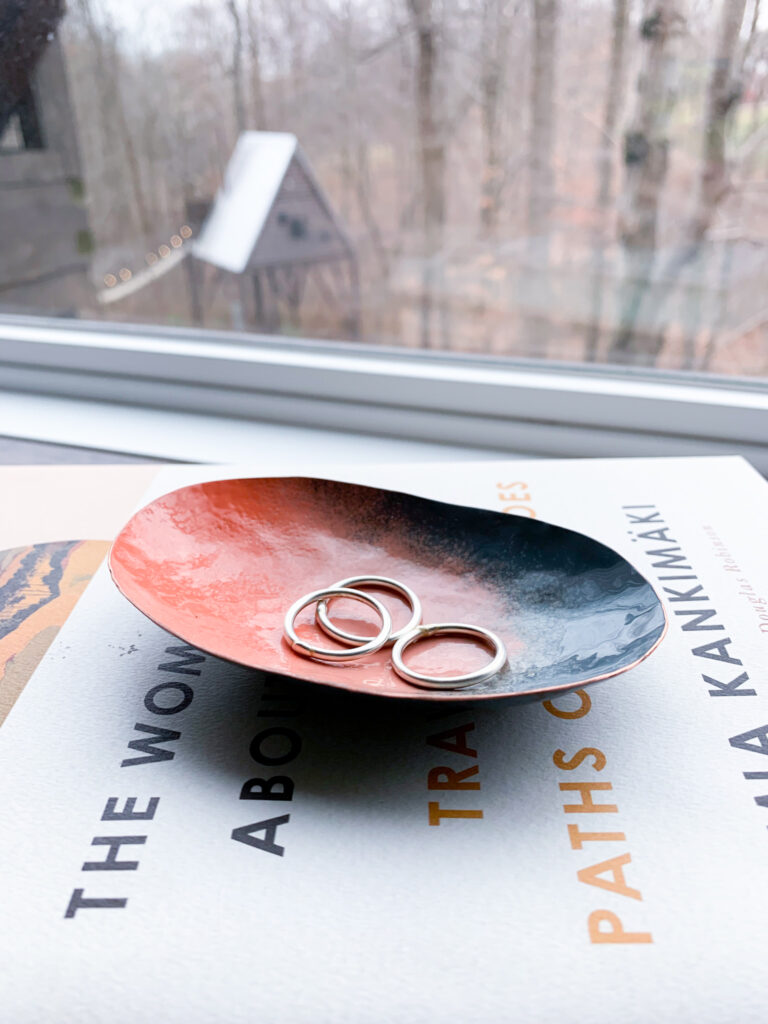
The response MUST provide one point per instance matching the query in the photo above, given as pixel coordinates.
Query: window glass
(580, 181)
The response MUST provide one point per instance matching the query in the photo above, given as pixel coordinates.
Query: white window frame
(523, 406)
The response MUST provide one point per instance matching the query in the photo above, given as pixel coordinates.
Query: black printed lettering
(660, 534)
(731, 688)
(152, 753)
(186, 656)
(128, 813)
(293, 749)
(266, 789)
(653, 517)
(186, 695)
(717, 650)
(111, 863)
(756, 740)
(685, 595)
(698, 620)
(667, 558)
(79, 902)
(245, 834)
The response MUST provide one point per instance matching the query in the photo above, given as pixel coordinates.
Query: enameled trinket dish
(218, 564)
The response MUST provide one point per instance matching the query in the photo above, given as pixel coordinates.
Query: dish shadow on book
(347, 748)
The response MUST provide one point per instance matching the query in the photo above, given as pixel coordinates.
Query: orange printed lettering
(437, 813)
(615, 932)
(587, 805)
(447, 778)
(578, 838)
(454, 740)
(583, 709)
(581, 755)
(617, 883)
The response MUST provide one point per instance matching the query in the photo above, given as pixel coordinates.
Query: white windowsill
(242, 385)
(190, 437)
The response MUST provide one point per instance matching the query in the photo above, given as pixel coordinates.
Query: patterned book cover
(190, 840)
(56, 525)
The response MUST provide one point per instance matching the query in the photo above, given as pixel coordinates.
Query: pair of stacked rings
(399, 640)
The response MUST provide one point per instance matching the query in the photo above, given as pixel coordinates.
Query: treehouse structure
(272, 228)
(44, 259)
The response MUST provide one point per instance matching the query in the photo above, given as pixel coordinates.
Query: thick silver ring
(448, 682)
(324, 622)
(323, 653)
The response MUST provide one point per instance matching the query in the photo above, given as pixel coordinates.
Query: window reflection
(581, 181)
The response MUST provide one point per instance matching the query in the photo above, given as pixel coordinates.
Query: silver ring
(448, 682)
(324, 622)
(323, 653)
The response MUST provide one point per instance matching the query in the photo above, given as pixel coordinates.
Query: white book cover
(609, 865)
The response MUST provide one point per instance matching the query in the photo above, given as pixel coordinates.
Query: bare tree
(713, 179)
(112, 104)
(237, 65)
(255, 21)
(646, 162)
(295, 19)
(541, 172)
(614, 97)
(494, 41)
(614, 94)
(724, 89)
(541, 184)
(431, 152)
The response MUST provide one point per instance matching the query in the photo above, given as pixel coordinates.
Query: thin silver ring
(448, 682)
(324, 622)
(323, 653)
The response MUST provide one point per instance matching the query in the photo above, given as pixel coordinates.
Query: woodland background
(571, 179)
